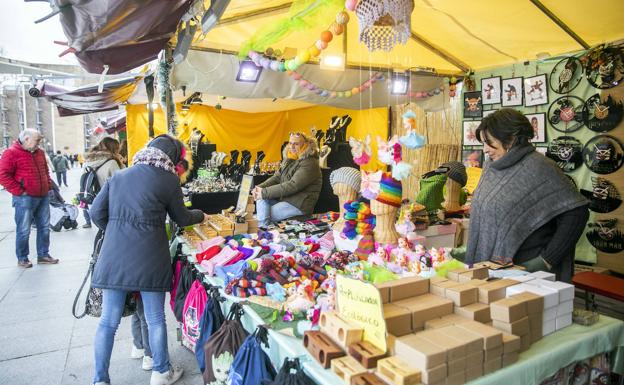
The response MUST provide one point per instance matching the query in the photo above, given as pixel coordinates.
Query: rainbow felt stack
(358, 219)
(390, 190)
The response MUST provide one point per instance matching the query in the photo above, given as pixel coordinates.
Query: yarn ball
(342, 17)
(326, 36)
(314, 51)
(321, 45)
(337, 29)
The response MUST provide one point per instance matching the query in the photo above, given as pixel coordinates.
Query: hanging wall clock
(566, 114)
(566, 151)
(606, 236)
(603, 154)
(602, 115)
(603, 197)
(566, 75)
(605, 66)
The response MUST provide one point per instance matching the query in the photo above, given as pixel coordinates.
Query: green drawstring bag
(431, 193)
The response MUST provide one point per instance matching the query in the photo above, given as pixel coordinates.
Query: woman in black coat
(132, 208)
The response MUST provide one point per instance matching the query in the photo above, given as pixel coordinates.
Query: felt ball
(269, 51)
(282, 66)
(303, 83)
(318, 91)
(347, 94)
(340, 94)
(451, 93)
(355, 90)
(373, 80)
(274, 65)
(337, 29)
(321, 45)
(350, 5)
(333, 94)
(265, 62)
(326, 36)
(277, 53)
(342, 17)
(363, 88)
(296, 75)
(436, 91)
(324, 93)
(290, 65)
(253, 54)
(311, 87)
(447, 80)
(304, 54)
(453, 80)
(314, 51)
(298, 60)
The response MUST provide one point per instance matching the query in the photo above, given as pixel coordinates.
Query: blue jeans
(27, 209)
(272, 210)
(112, 307)
(87, 217)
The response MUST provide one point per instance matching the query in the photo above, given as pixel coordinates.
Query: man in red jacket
(24, 173)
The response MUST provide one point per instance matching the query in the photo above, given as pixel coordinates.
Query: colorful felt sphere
(355, 90)
(298, 60)
(318, 91)
(304, 55)
(274, 65)
(303, 83)
(324, 93)
(333, 94)
(290, 65)
(326, 36)
(339, 94)
(277, 53)
(347, 94)
(296, 75)
(337, 29)
(314, 51)
(321, 45)
(350, 5)
(282, 66)
(342, 18)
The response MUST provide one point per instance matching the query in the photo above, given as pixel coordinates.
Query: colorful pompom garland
(303, 83)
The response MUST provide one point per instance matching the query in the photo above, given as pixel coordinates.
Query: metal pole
(53, 128)
(24, 101)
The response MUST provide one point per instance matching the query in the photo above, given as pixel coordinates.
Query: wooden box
(366, 353)
(340, 331)
(321, 347)
(398, 372)
(346, 368)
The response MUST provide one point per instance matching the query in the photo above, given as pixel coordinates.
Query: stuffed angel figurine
(361, 150)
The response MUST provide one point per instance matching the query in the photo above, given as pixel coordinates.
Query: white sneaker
(167, 378)
(148, 363)
(136, 353)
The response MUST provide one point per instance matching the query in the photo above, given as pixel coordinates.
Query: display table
(542, 360)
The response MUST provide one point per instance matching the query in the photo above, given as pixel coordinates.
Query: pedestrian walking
(61, 165)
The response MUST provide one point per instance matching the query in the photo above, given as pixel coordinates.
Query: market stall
(373, 286)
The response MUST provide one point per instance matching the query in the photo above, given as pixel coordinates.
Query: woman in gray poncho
(524, 209)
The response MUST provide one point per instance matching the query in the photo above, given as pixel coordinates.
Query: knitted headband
(390, 190)
(347, 175)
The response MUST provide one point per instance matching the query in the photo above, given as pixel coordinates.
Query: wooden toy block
(398, 372)
(367, 379)
(321, 347)
(366, 353)
(346, 368)
(340, 331)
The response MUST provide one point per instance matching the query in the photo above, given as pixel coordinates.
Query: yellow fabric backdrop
(234, 130)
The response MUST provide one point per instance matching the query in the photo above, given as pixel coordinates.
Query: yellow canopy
(448, 35)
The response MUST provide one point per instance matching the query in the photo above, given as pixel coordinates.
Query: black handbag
(93, 302)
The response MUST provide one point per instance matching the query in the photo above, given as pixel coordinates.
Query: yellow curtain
(265, 131)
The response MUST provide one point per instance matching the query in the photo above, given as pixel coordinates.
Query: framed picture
(488, 112)
(541, 150)
(512, 92)
(535, 90)
(538, 122)
(473, 106)
(470, 132)
(472, 158)
(491, 90)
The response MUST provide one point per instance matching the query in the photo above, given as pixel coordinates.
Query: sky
(22, 39)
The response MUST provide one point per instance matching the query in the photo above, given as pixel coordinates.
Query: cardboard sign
(474, 175)
(360, 302)
(244, 192)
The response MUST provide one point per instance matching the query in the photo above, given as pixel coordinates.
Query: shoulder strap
(99, 238)
(98, 167)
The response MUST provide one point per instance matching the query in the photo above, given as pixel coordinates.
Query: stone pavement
(41, 343)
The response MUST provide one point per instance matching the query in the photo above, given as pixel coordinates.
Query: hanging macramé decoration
(384, 23)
